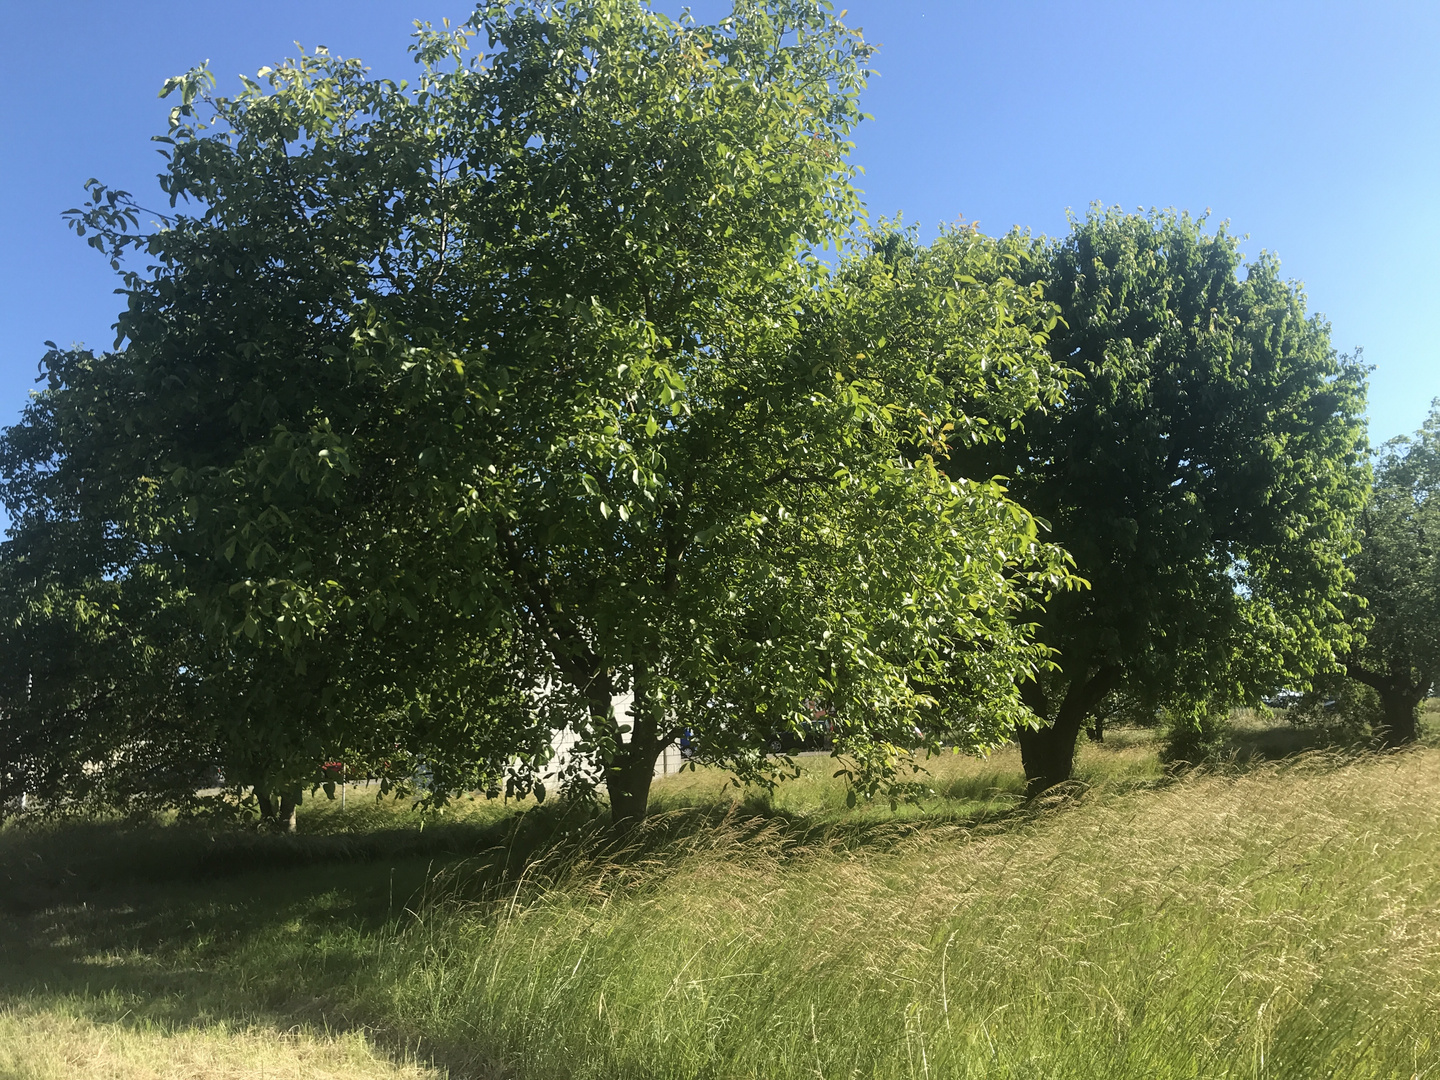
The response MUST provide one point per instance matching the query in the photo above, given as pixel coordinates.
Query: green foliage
(117, 689)
(1204, 470)
(1343, 708)
(1397, 573)
(1195, 737)
(448, 413)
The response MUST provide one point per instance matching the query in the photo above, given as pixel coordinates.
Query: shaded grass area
(1276, 920)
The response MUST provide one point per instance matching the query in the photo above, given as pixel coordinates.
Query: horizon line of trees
(440, 415)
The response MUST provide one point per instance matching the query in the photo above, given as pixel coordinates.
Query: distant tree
(1397, 572)
(1204, 469)
(472, 405)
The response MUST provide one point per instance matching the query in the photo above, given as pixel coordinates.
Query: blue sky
(1312, 127)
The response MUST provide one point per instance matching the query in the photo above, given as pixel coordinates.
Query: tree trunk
(1400, 697)
(1401, 723)
(629, 773)
(267, 805)
(289, 802)
(627, 779)
(1048, 753)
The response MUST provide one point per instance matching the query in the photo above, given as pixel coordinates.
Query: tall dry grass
(1281, 923)
(1275, 921)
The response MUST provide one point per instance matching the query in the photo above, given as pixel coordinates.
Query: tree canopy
(1397, 573)
(440, 415)
(1205, 471)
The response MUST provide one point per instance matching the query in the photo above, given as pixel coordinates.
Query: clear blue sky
(1313, 127)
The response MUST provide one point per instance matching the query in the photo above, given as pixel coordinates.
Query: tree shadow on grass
(1280, 741)
(180, 926)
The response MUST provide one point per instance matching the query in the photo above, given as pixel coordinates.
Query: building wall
(669, 761)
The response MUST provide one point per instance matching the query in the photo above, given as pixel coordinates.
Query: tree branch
(1033, 695)
(567, 646)
(1082, 697)
(1361, 674)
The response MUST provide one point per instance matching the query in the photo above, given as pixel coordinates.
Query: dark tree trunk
(1401, 711)
(1400, 698)
(627, 767)
(1048, 753)
(289, 802)
(267, 805)
(627, 779)
(1096, 730)
(629, 773)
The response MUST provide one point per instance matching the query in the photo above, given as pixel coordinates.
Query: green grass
(53, 1044)
(1271, 920)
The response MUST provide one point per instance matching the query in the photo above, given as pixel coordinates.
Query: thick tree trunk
(1401, 711)
(289, 802)
(1400, 698)
(267, 805)
(627, 780)
(1048, 753)
(631, 769)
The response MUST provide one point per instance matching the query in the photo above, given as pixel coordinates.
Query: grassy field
(1265, 920)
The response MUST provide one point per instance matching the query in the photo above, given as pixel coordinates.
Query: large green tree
(531, 369)
(1397, 572)
(1204, 469)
